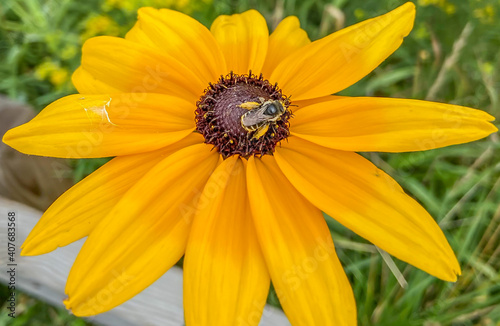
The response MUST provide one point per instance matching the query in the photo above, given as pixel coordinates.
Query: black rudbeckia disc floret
(219, 115)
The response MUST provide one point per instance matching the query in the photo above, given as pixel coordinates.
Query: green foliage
(32, 312)
(40, 42)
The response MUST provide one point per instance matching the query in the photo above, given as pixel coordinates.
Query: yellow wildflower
(486, 15)
(211, 164)
(59, 76)
(450, 9)
(53, 72)
(45, 69)
(99, 25)
(68, 52)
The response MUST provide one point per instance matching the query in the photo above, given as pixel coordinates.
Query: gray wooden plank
(45, 277)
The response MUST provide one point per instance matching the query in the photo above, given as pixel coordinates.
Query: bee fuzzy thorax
(243, 115)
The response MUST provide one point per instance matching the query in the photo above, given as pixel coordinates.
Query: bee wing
(254, 117)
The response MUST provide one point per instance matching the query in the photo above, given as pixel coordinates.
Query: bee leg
(261, 131)
(249, 105)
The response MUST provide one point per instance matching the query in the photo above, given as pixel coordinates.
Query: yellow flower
(249, 210)
(50, 70)
(98, 25)
(45, 69)
(488, 68)
(185, 6)
(68, 52)
(450, 9)
(486, 15)
(59, 77)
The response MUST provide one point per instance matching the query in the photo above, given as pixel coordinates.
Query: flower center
(243, 115)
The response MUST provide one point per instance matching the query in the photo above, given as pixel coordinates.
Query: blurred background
(452, 56)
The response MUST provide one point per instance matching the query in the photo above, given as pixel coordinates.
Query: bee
(261, 115)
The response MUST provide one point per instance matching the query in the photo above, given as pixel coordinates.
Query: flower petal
(85, 83)
(287, 38)
(389, 125)
(298, 105)
(143, 236)
(79, 126)
(298, 249)
(243, 38)
(78, 211)
(135, 68)
(182, 37)
(337, 61)
(369, 202)
(225, 277)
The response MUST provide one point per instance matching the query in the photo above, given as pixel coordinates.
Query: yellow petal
(77, 212)
(369, 202)
(225, 278)
(243, 38)
(79, 126)
(287, 38)
(298, 105)
(143, 236)
(181, 37)
(135, 68)
(337, 61)
(298, 248)
(85, 83)
(389, 125)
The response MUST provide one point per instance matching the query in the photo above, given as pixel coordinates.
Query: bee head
(274, 108)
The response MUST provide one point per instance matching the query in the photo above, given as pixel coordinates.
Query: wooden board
(45, 277)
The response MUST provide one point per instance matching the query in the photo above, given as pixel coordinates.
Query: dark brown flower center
(243, 115)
